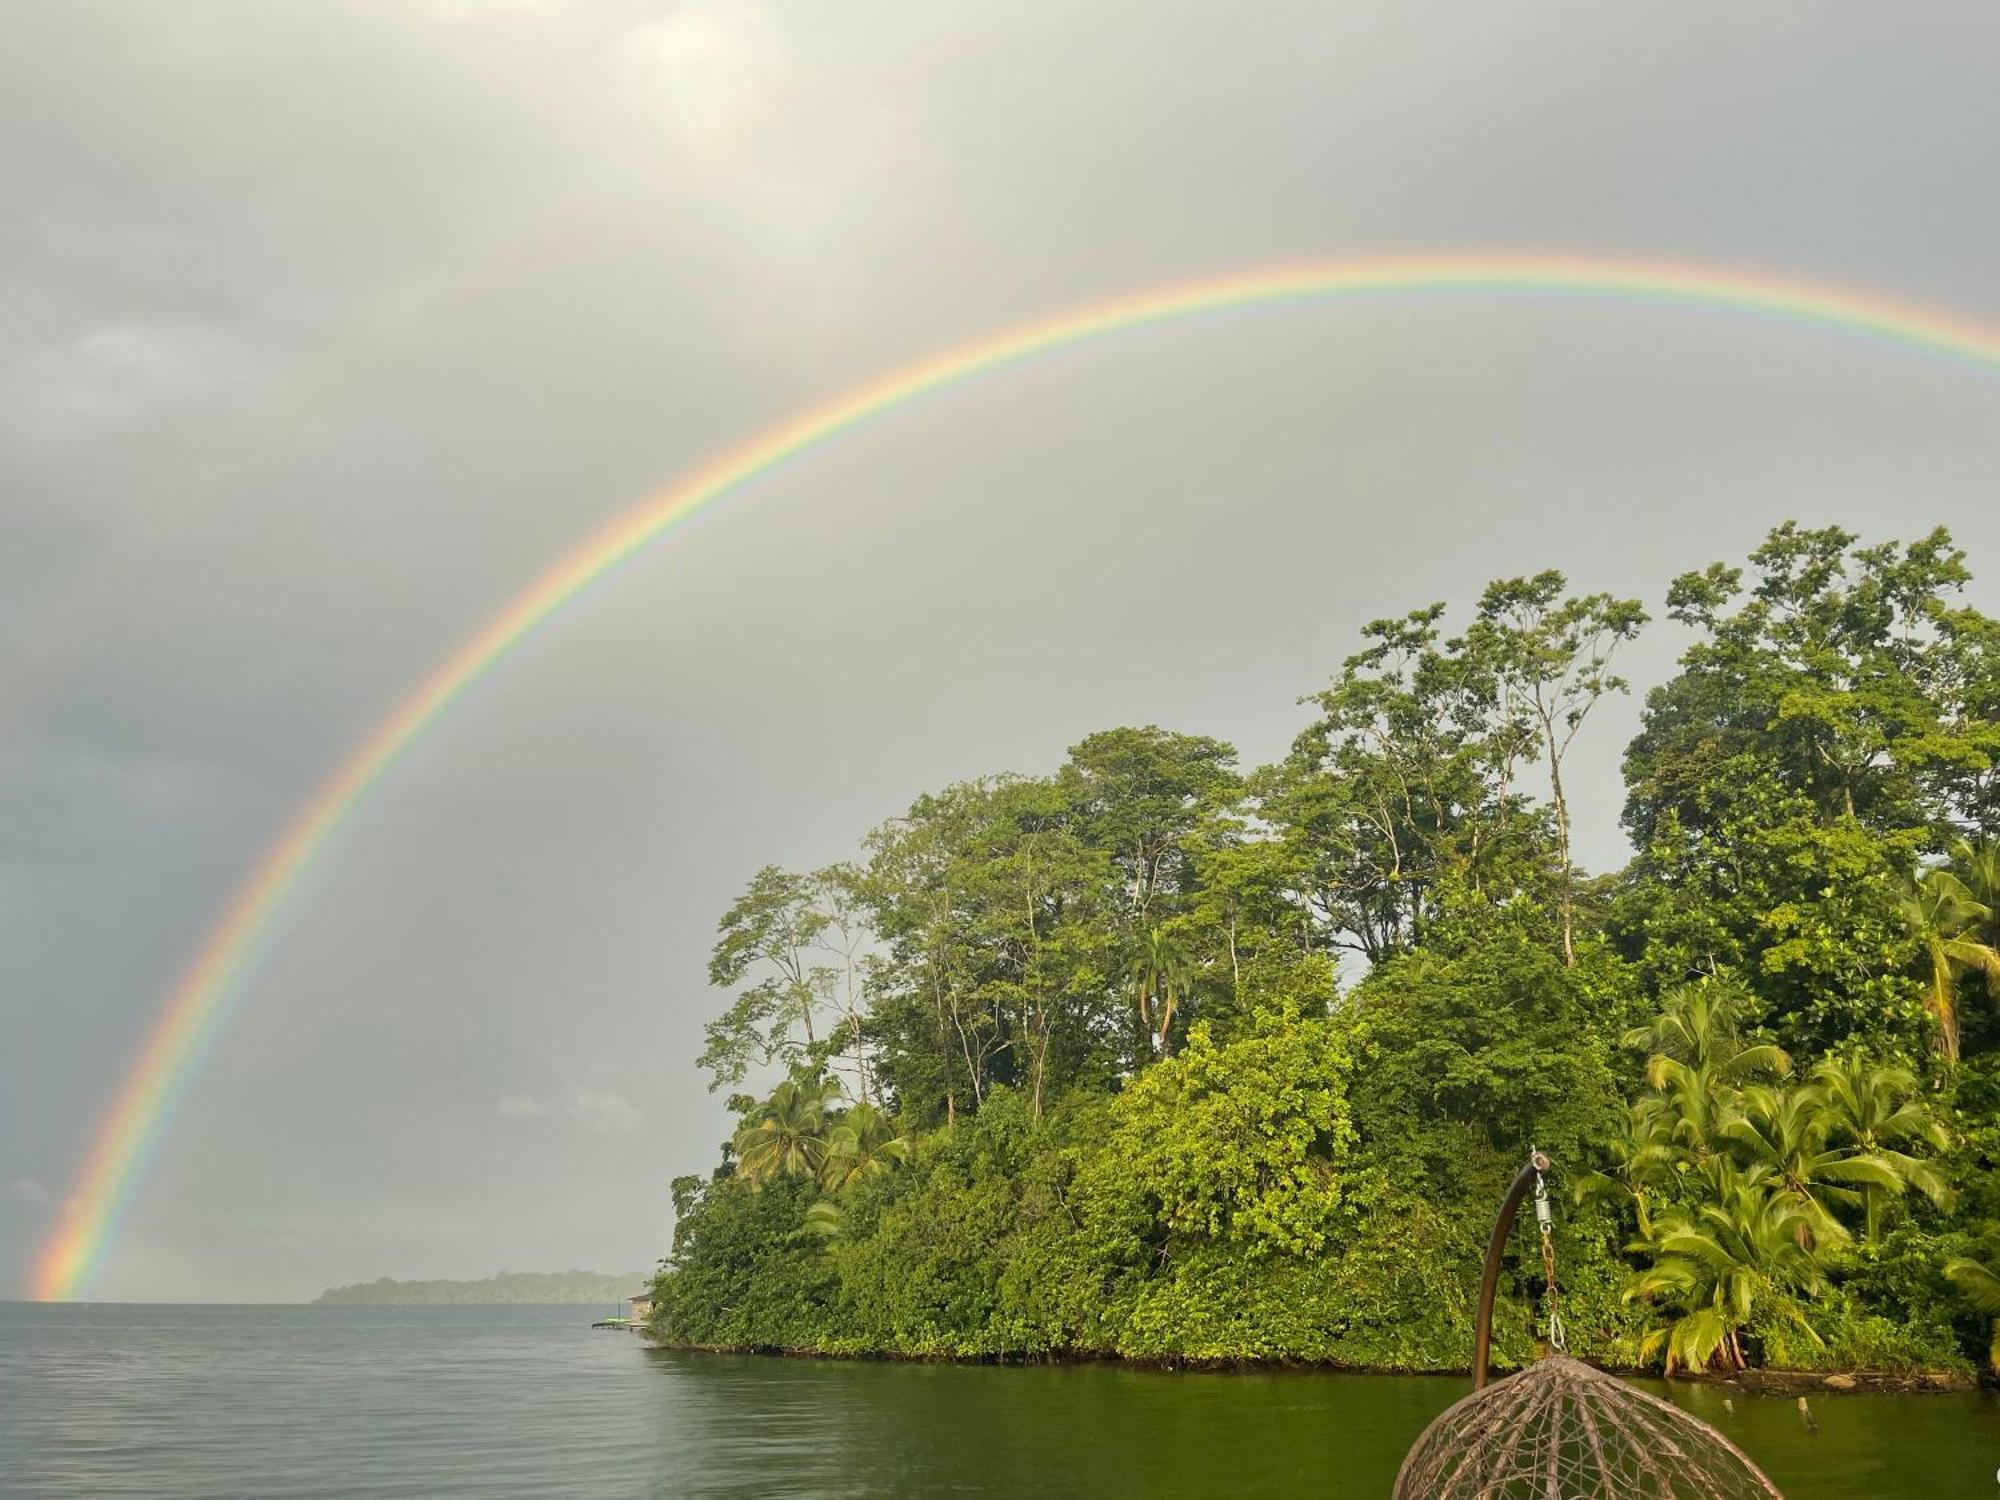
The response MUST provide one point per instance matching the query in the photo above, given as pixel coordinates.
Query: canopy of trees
(1161, 1056)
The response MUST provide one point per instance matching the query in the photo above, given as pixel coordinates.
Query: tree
(1876, 1107)
(863, 1143)
(1472, 1049)
(1139, 795)
(1842, 665)
(1787, 1132)
(1697, 1061)
(1741, 1253)
(1646, 1162)
(771, 931)
(861, 1146)
(1550, 656)
(1699, 1025)
(1000, 921)
(1038, 904)
(786, 1135)
(1241, 1142)
(1829, 723)
(1160, 972)
(939, 1038)
(1946, 920)
(1977, 866)
(1402, 787)
(843, 939)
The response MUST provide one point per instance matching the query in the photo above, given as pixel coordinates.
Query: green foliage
(1820, 735)
(785, 1136)
(1243, 1143)
(1955, 931)
(1469, 1054)
(1743, 1186)
(1739, 1253)
(745, 1271)
(1102, 1093)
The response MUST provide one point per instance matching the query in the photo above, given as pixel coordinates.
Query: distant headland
(592, 1287)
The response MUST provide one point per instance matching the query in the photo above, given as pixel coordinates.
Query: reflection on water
(529, 1401)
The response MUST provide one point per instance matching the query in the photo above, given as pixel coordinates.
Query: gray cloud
(604, 1111)
(323, 329)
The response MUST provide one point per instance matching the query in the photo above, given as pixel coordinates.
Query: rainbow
(199, 1006)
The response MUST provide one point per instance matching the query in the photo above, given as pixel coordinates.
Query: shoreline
(1755, 1382)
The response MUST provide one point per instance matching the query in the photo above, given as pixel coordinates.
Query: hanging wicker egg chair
(1560, 1430)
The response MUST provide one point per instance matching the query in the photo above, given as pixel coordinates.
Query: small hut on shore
(639, 1304)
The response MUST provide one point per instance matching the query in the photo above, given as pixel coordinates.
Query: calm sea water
(493, 1401)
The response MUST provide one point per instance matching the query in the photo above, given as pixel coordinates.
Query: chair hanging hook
(1545, 1221)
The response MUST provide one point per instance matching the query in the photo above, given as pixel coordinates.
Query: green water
(1110, 1431)
(529, 1401)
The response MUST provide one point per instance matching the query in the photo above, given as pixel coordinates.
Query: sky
(325, 328)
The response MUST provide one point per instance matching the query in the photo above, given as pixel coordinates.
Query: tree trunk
(1565, 895)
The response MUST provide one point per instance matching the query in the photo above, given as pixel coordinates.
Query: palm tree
(1159, 970)
(1645, 1158)
(1699, 1060)
(1701, 1024)
(1978, 1281)
(785, 1136)
(827, 1219)
(1787, 1132)
(1978, 866)
(1719, 1264)
(862, 1143)
(1948, 921)
(1876, 1107)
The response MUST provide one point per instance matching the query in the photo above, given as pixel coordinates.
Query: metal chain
(1545, 1221)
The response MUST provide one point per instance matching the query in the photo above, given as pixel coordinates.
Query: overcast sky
(324, 328)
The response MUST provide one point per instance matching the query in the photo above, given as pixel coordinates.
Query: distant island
(591, 1287)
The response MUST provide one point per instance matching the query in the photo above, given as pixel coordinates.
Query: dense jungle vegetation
(1161, 1057)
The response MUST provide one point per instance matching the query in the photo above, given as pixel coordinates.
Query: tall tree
(1820, 735)
(1039, 906)
(1401, 786)
(769, 934)
(1139, 795)
(845, 941)
(1550, 658)
(939, 1033)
